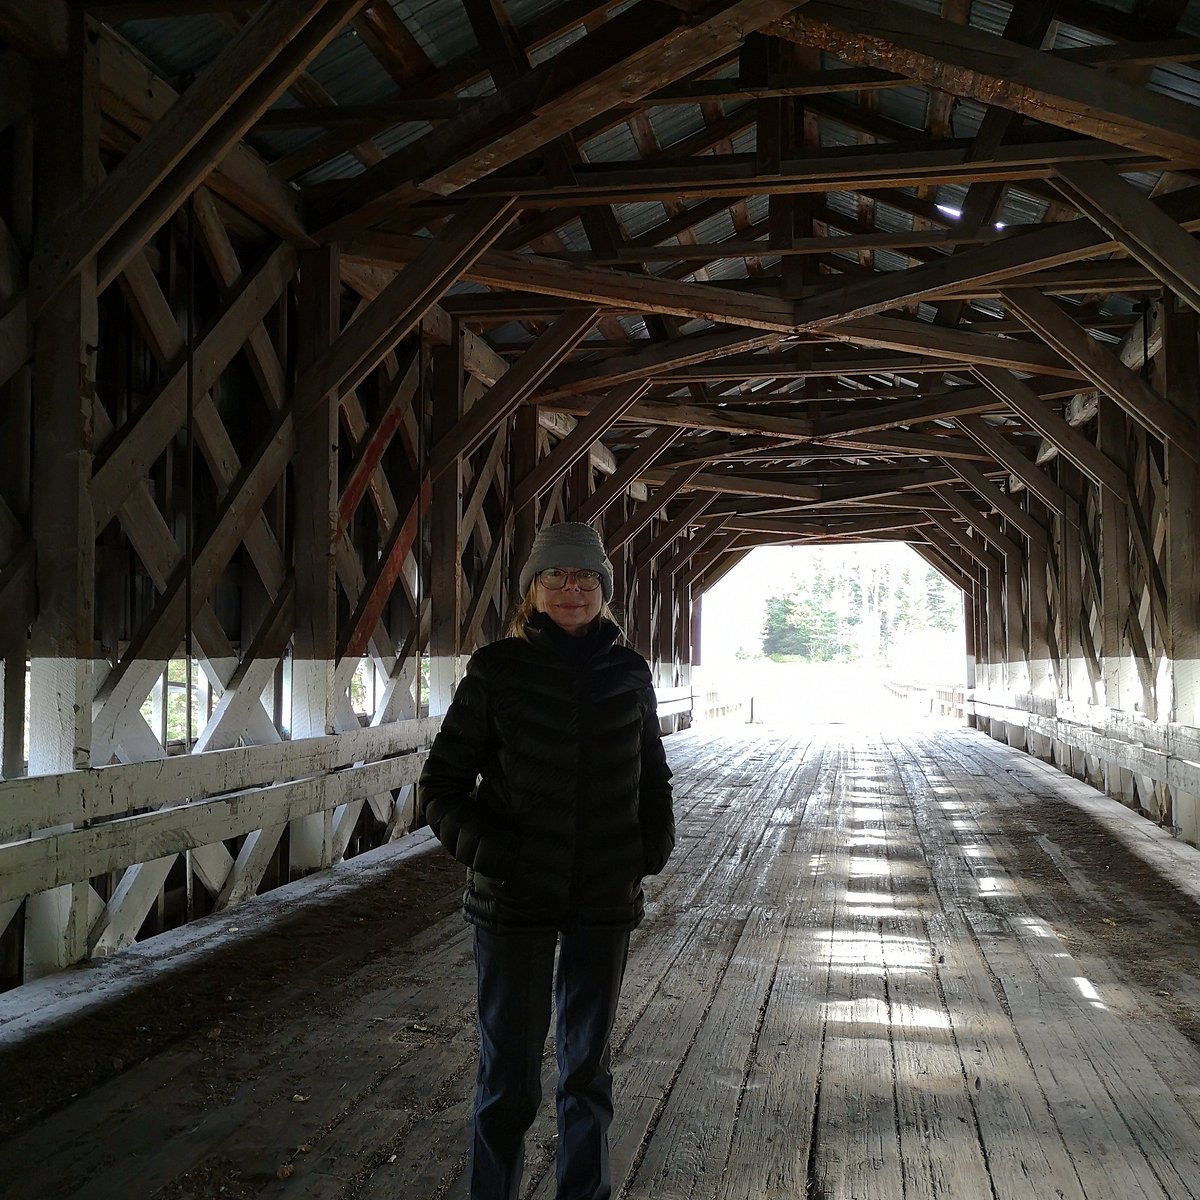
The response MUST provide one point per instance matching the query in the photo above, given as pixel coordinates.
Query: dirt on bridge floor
(292, 980)
(228, 1000)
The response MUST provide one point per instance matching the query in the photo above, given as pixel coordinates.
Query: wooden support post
(668, 531)
(65, 339)
(580, 482)
(314, 696)
(1074, 683)
(997, 646)
(1114, 565)
(1182, 551)
(1116, 664)
(523, 449)
(968, 601)
(675, 482)
(979, 635)
(445, 524)
(206, 122)
(1016, 664)
(17, 578)
(1037, 604)
(577, 443)
(650, 450)
(683, 633)
(512, 389)
(1133, 219)
(664, 598)
(643, 610)
(12, 712)
(1104, 368)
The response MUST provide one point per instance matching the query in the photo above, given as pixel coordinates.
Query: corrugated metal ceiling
(182, 46)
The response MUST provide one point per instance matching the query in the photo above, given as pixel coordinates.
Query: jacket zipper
(583, 787)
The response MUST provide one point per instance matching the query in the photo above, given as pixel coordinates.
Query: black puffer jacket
(573, 801)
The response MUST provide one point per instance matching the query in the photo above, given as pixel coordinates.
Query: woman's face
(569, 607)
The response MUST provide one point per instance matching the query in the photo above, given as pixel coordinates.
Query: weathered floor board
(885, 968)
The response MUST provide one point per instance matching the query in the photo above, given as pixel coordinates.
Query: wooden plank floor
(876, 968)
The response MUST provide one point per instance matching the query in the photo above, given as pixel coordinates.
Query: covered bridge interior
(313, 312)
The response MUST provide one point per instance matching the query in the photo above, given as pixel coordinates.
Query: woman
(572, 807)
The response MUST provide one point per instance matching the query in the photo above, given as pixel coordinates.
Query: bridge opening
(860, 634)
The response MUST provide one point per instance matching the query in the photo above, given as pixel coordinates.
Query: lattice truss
(313, 313)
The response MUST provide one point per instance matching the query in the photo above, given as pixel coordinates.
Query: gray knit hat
(568, 544)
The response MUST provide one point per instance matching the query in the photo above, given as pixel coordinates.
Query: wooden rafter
(993, 70)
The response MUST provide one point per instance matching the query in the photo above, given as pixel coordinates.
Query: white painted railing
(128, 822)
(674, 701)
(1163, 751)
(71, 827)
(943, 700)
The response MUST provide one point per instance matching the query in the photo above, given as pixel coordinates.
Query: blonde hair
(528, 606)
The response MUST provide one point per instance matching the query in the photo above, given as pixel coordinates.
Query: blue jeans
(515, 976)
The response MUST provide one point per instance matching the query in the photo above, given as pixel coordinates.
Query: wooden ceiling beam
(1006, 453)
(945, 566)
(694, 416)
(503, 307)
(993, 70)
(1104, 369)
(1030, 407)
(512, 389)
(982, 267)
(779, 86)
(391, 43)
(595, 285)
(903, 442)
(729, 449)
(709, 527)
(880, 485)
(1134, 27)
(184, 147)
(1142, 228)
(577, 443)
(668, 485)
(136, 100)
(653, 360)
(981, 523)
(715, 563)
(640, 50)
(648, 451)
(1000, 501)
(859, 168)
(951, 403)
(39, 32)
(729, 484)
(847, 363)
(743, 247)
(676, 526)
(949, 550)
(894, 333)
(393, 314)
(830, 527)
(973, 547)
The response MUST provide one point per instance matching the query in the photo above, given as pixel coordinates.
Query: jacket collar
(543, 633)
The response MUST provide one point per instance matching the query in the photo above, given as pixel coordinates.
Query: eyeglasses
(554, 579)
